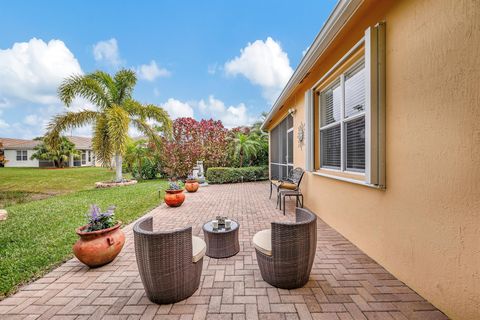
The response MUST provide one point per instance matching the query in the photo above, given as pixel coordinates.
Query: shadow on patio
(344, 283)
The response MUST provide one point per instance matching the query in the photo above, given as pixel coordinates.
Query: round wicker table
(221, 242)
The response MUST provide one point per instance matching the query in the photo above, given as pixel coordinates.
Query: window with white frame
(84, 157)
(350, 134)
(22, 155)
(342, 121)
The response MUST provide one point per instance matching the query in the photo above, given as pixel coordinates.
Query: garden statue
(198, 169)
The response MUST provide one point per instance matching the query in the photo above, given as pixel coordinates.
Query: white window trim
(374, 175)
(342, 121)
(21, 155)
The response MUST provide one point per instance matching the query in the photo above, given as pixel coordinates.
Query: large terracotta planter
(174, 198)
(191, 185)
(97, 248)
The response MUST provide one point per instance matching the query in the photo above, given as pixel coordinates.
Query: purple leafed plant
(98, 220)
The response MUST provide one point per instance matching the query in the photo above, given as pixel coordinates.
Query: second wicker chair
(286, 252)
(170, 263)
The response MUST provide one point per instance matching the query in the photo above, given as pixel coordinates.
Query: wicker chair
(286, 252)
(170, 263)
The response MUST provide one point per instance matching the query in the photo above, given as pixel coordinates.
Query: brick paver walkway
(345, 283)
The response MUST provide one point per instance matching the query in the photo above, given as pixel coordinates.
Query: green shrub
(148, 171)
(232, 175)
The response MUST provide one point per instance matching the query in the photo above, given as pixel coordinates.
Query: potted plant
(174, 195)
(191, 184)
(101, 239)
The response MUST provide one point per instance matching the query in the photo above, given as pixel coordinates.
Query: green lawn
(39, 234)
(20, 185)
(52, 180)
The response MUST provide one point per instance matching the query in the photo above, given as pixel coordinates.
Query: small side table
(221, 243)
(291, 193)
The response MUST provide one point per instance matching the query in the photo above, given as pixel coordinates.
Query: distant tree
(138, 154)
(191, 141)
(59, 153)
(245, 147)
(115, 111)
(2, 156)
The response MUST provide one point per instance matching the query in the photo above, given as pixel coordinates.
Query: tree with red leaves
(191, 141)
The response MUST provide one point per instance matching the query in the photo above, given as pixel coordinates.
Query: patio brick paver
(344, 283)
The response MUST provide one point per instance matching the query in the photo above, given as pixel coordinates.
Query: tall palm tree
(115, 111)
(245, 147)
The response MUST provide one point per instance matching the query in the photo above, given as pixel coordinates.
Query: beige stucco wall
(425, 227)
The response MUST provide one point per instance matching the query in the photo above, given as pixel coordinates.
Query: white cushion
(262, 241)
(199, 247)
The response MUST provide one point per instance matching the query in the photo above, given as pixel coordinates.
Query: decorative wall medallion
(301, 135)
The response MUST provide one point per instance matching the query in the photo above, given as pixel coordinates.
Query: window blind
(355, 90)
(330, 140)
(331, 101)
(355, 144)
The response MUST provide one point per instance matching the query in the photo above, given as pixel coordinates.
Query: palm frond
(118, 122)
(68, 120)
(85, 87)
(148, 131)
(125, 81)
(150, 112)
(106, 81)
(101, 142)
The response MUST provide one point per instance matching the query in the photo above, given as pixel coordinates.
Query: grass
(52, 180)
(39, 235)
(19, 185)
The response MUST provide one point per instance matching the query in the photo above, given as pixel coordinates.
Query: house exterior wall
(11, 156)
(425, 227)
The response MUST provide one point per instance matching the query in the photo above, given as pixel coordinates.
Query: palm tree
(245, 147)
(115, 111)
(59, 154)
(136, 152)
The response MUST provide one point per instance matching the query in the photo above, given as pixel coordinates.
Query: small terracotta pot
(97, 248)
(191, 185)
(174, 198)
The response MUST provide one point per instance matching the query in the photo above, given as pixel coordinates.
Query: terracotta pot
(174, 198)
(97, 248)
(191, 185)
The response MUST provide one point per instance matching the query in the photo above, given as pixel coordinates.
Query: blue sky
(222, 59)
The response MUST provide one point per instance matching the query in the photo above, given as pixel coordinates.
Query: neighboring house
(18, 153)
(388, 94)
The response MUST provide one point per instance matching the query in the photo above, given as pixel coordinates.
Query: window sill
(345, 179)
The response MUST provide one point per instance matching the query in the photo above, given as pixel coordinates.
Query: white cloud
(177, 109)
(32, 119)
(151, 71)
(107, 52)
(265, 64)
(31, 71)
(231, 116)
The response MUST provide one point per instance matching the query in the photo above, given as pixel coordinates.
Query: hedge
(232, 175)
